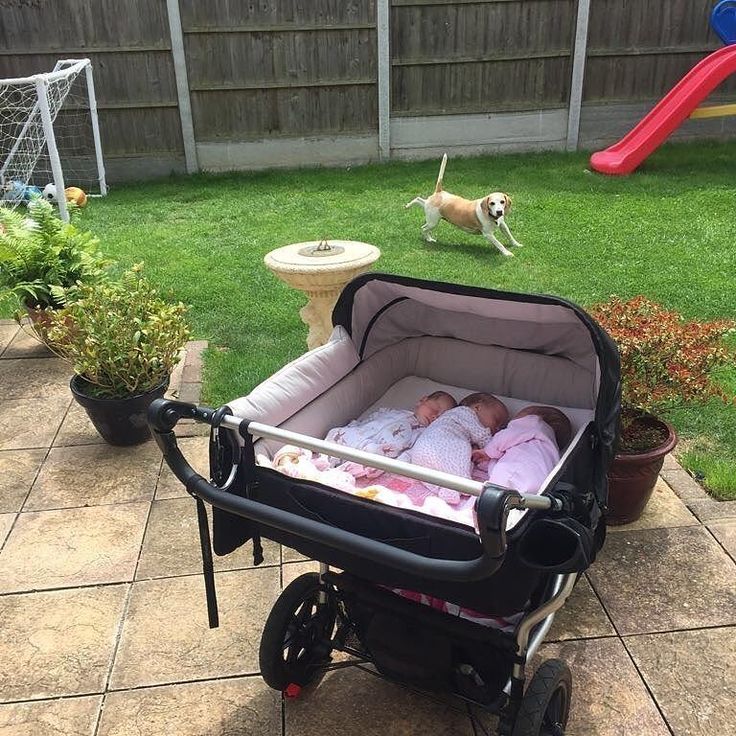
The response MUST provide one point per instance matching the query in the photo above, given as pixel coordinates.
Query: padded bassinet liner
(311, 396)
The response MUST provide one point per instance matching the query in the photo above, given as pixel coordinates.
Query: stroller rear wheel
(546, 704)
(295, 642)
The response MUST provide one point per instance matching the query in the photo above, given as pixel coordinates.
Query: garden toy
(71, 194)
(679, 103)
(723, 21)
(17, 191)
(481, 216)
(396, 339)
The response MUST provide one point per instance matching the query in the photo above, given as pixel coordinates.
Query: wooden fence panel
(237, 15)
(241, 115)
(480, 57)
(639, 50)
(61, 25)
(122, 79)
(129, 46)
(280, 59)
(281, 69)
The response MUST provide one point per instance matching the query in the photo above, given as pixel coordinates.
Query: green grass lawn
(668, 232)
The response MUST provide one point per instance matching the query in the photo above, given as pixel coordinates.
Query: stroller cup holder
(556, 546)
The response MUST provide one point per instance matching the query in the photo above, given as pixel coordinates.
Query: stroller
(395, 339)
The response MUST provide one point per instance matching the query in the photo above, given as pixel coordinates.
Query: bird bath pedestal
(320, 270)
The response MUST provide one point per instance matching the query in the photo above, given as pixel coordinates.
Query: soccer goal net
(49, 134)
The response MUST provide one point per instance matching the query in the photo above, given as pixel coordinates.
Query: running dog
(474, 216)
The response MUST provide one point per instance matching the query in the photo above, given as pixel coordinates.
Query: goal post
(49, 133)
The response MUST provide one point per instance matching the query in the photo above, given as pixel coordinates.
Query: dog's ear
(486, 204)
(508, 203)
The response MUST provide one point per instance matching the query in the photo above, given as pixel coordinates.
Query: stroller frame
(532, 567)
(530, 631)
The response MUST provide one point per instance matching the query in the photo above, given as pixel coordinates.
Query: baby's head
(555, 418)
(430, 407)
(492, 412)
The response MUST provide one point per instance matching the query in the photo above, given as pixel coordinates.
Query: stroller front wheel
(546, 704)
(295, 642)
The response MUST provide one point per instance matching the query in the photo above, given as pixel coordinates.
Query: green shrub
(120, 336)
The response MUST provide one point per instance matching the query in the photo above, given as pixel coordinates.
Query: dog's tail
(438, 186)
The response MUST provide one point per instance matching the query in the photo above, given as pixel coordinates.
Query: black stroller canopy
(379, 310)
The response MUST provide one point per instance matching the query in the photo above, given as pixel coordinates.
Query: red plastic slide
(623, 157)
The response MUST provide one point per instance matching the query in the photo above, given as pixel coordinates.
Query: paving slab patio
(103, 627)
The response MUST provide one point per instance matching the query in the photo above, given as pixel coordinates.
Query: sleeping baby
(448, 444)
(388, 432)
(522, 455)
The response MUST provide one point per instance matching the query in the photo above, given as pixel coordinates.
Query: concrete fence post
(578, 74)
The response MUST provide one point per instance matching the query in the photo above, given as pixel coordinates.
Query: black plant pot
(119, 421)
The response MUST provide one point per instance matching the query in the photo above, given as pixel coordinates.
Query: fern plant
(42, 257)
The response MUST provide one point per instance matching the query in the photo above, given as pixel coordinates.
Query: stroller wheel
(546, 704)
(296, 638)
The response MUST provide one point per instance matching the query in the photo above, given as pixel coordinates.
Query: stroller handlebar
(492, 507)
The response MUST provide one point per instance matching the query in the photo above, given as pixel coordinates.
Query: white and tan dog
(474, 216)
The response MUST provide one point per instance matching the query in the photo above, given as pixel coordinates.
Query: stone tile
(292, 570)
(77, 429)
(582, 616)
(664, 509)
(25, 345)
(6, 522)
(608, 696)
(18, 469)
(725, 533)
(27, 423)
(691, 674)
(172, 392)
(664, 579)
(8, 328)
(190, 428)
(238, 707)
(350, 701)
(58, 642)
(196, 451)
(171, 546)
(166, 636)
(35, 378)
(681, 482)
(291, 555)
(71, 547)
(66, 717)
(712, 510)
(95, 474)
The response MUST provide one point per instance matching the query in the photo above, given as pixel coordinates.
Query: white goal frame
(42, 109)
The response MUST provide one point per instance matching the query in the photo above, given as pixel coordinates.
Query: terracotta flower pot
(632, 476)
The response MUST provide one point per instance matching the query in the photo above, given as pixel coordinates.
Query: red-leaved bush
(664, 357)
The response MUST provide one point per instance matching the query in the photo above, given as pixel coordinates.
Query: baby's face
(429, 409)
(492, 415)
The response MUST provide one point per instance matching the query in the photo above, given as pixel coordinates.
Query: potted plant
(122, 340)
(42, 257)
(664, 359)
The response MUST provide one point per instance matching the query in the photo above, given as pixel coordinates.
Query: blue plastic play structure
(723, 21)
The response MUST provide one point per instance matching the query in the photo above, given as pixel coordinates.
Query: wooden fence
(199, 84)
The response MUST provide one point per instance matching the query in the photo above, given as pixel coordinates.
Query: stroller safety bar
(492, 507)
